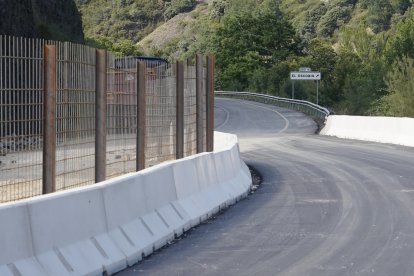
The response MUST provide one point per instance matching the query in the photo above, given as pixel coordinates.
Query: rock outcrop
(49, 19)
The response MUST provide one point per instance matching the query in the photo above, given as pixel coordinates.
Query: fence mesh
(21, 92)
(21, 114)
(160, 113)
(75, 115)
(204, 105)
(190, 109)
(121, 115)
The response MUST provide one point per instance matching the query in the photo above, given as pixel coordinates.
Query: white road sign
(305, 75)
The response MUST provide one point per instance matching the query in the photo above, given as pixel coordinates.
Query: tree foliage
(335, 17)
(379, 14)
(256, 53)
(219, 8)
(175, 7)
(363, 48)
(401, 42)
(127, 19)
(400, 82)
(312, 19)
(248, 42)
(121, 47)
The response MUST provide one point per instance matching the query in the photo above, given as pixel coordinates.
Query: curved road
(326, 206)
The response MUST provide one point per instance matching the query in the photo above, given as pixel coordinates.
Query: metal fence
(72, 115)
(317, 112)
(121, 116)
(190, 108)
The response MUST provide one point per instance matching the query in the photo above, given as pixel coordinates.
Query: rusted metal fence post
(199, 103)
(141, 114)
(49, 120)
(100, 115)
(180, 110)
(210, 103)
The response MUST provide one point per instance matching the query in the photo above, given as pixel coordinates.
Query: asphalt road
(326, 206)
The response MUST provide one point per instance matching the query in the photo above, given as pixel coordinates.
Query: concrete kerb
(392, 130)
(124, 204)
(407, 126)
(110, 225)
(15, 237)
(187, 188)
(213, 197)
(58, 235)
(225, 173)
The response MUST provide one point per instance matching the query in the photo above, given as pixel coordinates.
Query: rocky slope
(50, 19)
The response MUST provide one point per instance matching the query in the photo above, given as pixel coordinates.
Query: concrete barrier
(390, 130)
(113, 224)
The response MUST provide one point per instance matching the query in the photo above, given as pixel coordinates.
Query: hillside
(59, 19)
(119, 24)
(311, 19)
(363, 48)
(175, 28)
(178, 36)
(315, 18)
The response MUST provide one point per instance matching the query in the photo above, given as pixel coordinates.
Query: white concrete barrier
(113, 224)
(392, 130)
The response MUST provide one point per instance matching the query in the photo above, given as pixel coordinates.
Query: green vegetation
(250, 42)
(400, 99)
(366, 61)
(178, 6)
(364, 48)
(114, 22)
(182, 36)
(121, 47)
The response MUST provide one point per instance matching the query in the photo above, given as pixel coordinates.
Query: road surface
(326, 206)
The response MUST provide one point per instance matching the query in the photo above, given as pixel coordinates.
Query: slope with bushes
(119, 24)
(364, 48)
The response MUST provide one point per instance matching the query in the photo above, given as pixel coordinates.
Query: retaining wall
(391, 130)
(111, 225)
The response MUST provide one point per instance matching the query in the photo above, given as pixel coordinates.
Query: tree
(366, 46)
(175, 7)
(400, 84)
(308, 30)
(248, 41)
(219, 8)
(379, 15)
(362, 88)
(122, 47)
(359, 72)
(401, 5)
(401, 41)
(322, 57)
(335, 17)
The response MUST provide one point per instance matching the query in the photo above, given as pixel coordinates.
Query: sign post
(317, 92)
(305, 73)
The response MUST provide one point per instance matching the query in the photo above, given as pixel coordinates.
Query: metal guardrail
(318, 112)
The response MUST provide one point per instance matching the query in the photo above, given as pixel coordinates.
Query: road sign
(305, 75)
